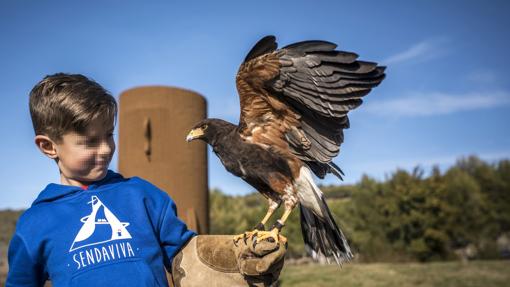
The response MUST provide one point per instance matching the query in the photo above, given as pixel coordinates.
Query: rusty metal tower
(153, 124)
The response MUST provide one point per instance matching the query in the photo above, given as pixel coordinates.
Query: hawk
(294, 104)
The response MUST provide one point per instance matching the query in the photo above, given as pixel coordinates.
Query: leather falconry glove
(261, 259)
(216, 260)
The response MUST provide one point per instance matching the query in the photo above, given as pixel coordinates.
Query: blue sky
(446, 95)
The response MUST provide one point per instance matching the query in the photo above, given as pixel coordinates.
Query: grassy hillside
(437, 274)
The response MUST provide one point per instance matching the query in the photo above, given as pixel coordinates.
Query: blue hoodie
(118, 232)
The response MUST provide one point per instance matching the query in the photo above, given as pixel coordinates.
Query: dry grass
(478, 273)
(440, 274)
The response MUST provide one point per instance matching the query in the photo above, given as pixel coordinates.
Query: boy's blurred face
(84, 158)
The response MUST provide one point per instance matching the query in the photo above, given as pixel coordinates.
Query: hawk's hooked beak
(194, 134)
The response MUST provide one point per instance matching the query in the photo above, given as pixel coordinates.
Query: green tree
(494, 184)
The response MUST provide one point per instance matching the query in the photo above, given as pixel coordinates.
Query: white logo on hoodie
(100, 218)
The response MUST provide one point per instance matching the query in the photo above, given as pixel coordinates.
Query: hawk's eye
(204, 127)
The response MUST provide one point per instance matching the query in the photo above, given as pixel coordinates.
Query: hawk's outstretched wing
(296, 99)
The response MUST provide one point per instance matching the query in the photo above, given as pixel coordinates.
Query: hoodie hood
(55, 191)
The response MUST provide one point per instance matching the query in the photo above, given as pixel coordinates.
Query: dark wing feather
(323, 85)
(264, 46)
(297, 98)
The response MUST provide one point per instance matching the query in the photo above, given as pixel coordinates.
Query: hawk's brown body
(294, 105)
(269, 172)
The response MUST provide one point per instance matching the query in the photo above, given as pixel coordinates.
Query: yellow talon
(245, 235)
(262, 235)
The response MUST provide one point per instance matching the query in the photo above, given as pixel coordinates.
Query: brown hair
(69, 102)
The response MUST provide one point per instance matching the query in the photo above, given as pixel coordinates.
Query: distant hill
(8, 219)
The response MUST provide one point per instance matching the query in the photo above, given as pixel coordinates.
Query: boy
(96, 228)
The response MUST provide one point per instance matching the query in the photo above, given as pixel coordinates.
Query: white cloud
(423, 50)
(482, 77)
(428, 104)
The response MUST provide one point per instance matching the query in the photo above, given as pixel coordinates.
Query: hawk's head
(209, 129)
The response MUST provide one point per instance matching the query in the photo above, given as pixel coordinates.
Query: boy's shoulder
(145, 187)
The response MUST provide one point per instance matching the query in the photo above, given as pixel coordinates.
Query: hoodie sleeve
(173, 233)
(24, 271)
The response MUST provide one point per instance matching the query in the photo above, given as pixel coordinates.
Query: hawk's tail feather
(323, 239)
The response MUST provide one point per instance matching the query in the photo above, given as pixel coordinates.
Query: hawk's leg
(274, 233)
(273, 205)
